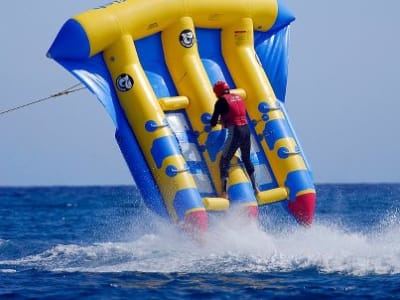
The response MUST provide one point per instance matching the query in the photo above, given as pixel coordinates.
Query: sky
(342, 96)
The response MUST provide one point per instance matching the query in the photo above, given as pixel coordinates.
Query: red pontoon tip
(196, 221)
(303, 208)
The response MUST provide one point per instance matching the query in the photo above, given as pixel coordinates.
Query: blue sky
(342, 98)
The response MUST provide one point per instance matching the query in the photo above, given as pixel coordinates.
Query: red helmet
(220, 88)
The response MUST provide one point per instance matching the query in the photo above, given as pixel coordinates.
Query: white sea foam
(234, 246)
(8, 271)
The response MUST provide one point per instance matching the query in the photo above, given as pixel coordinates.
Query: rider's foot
(256, 190)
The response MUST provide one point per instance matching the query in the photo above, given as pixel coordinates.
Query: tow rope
(75, 88)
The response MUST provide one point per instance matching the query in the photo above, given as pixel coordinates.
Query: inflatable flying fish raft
(153, 63)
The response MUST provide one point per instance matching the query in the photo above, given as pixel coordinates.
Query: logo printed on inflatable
(114, 2)
(124, 82)
(186, 38)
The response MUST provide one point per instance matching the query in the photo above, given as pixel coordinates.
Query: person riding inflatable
(230, 109)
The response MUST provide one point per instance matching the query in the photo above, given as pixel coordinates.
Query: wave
(232, 245)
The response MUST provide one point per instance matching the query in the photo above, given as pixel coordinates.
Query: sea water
(103, 243)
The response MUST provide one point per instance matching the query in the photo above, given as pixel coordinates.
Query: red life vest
(237, 111)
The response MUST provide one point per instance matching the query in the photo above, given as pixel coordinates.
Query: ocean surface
(103, 243)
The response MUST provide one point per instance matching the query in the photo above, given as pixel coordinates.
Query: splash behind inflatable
(152, 64)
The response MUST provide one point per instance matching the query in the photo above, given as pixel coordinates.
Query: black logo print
(124, 82)
(186, 38)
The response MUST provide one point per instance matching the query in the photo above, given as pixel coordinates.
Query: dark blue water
(102, 243)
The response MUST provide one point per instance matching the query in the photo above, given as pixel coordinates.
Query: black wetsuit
(238, 137)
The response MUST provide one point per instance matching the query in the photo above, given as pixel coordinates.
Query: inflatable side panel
(94, 75)
(278, 143)
(153, 133)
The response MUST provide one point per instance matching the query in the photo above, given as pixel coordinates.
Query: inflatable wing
(152, 64)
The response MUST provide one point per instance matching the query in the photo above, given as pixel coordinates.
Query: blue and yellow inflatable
(152, 64)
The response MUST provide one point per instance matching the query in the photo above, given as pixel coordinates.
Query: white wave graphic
(233, 246)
